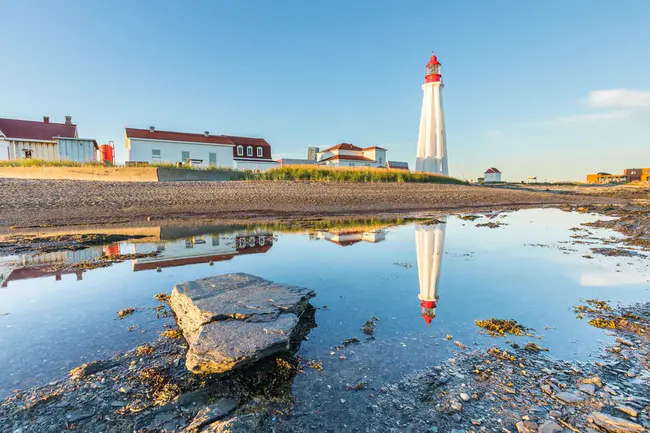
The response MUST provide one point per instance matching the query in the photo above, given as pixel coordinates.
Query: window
(381, 160)
(185, 155)
(260, 152)
(213, 159)
(240, 150)
(155, 155)
(28, 153)
(249, 151)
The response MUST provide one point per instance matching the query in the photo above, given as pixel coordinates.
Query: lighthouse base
(432, 165)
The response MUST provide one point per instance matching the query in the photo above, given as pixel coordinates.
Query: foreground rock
(233, 320)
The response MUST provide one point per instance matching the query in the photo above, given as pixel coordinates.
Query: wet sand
(49, 203)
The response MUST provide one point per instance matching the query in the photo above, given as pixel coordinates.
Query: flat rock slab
(235, 319)
(616, 425)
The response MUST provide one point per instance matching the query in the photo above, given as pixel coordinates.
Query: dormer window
(240, 150)
(249, 151)
(260, 152)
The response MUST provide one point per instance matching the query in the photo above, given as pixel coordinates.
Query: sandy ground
(25, 203)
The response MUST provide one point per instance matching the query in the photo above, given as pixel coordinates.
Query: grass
(46, 163)
(352, 174)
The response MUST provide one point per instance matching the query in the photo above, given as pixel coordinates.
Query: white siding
(4, 150)
(492, 177)
(76, 149)
(40, 150)
(255, 165)
(139, 150)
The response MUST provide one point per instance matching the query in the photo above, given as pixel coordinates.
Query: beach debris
(532, 347)
(368, 328)
(125, 312)
(500, 327)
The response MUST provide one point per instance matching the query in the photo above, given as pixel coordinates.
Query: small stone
(615, 425)
(555, 413)
(587, 388)
(569, 397)
(476, 421)
(627, 410)
(625, 342)
(456, 406)
(510, 390)
(464, 396)
(212, 413)
(609, 390)
(78, 416)
(594, 380)
(550, 427)
(526, 427)
(547, 389)
(117, 404)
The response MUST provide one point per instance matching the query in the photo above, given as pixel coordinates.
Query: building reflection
(429, 243)
(346, 238)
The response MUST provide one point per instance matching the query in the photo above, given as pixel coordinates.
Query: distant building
(492, 174)
(645, 175)
(633, 174)
(345, 238)
(397, 165)
(312, 152)
(603, 177)
(349, 155)
(295, 161)
(27, 139)
(209, 150)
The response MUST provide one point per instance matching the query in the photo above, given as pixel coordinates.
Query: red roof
(342, 146)
(247, 141)
(433, 60)
(373, 147)
(35, 130)
(178, 136)
(492, 170)
(347, 157)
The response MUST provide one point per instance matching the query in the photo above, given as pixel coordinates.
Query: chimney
(46, 119)
(152, 128)
(207, 133)
(68, 120)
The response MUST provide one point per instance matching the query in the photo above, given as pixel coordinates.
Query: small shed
(397, 165)
(492, 174)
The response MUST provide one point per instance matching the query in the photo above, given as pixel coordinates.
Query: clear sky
(550, 88)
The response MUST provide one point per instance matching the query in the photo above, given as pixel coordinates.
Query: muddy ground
(47, 203)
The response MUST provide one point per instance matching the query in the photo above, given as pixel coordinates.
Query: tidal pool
(423, 283)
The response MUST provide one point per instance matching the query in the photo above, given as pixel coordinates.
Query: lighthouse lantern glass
(433, 69)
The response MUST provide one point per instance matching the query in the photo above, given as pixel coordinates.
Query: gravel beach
(27, 203)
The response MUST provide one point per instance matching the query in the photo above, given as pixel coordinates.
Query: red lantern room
(428, 310)
(433, 70)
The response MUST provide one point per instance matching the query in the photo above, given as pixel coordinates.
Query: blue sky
(554, 89)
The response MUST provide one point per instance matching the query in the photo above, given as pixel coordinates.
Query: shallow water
(529, 270)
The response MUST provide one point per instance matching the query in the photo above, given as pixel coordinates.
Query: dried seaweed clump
(144, 350)
(161, 297)
(125, 312)
(532, 347)
(501, 354)
(172, 333)
(160, 389)
(603, 323)
(500, 327)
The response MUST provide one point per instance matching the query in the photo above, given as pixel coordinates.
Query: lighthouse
(429, 242)
(432, 143)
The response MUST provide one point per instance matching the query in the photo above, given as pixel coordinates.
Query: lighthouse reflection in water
(429, 242)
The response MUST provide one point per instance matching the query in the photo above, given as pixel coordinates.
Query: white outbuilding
(492, 174)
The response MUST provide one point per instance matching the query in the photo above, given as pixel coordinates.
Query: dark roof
(178, 136)
(347, 157)
(398, 164)
(342, 146)
(35, 130)
(492, 170)
(248, 141)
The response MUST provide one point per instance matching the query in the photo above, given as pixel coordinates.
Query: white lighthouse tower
(429, 242)
(432, 143)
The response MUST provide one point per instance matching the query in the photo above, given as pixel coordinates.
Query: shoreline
(37, 204)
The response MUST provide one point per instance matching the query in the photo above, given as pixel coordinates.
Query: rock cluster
(233, 320)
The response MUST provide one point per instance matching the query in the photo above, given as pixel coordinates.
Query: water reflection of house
(201, 249)
(429, 242)
(346, 238)
(30, 266)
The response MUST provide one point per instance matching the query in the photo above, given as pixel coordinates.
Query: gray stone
(236, 424)
(555, 413)
(526, 427)
(90, 368)
(569, 397)
(212, 413)
(456, 406)
(464, 396)
(78, 416)
(627, 410)
(547, 389)
(550, 427)
(587, 388)
(235, 319)
(615, 424)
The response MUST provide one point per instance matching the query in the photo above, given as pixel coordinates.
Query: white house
(27, 139)
(346, 238)
(208, 150)
(348, 155)
(492, 174)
